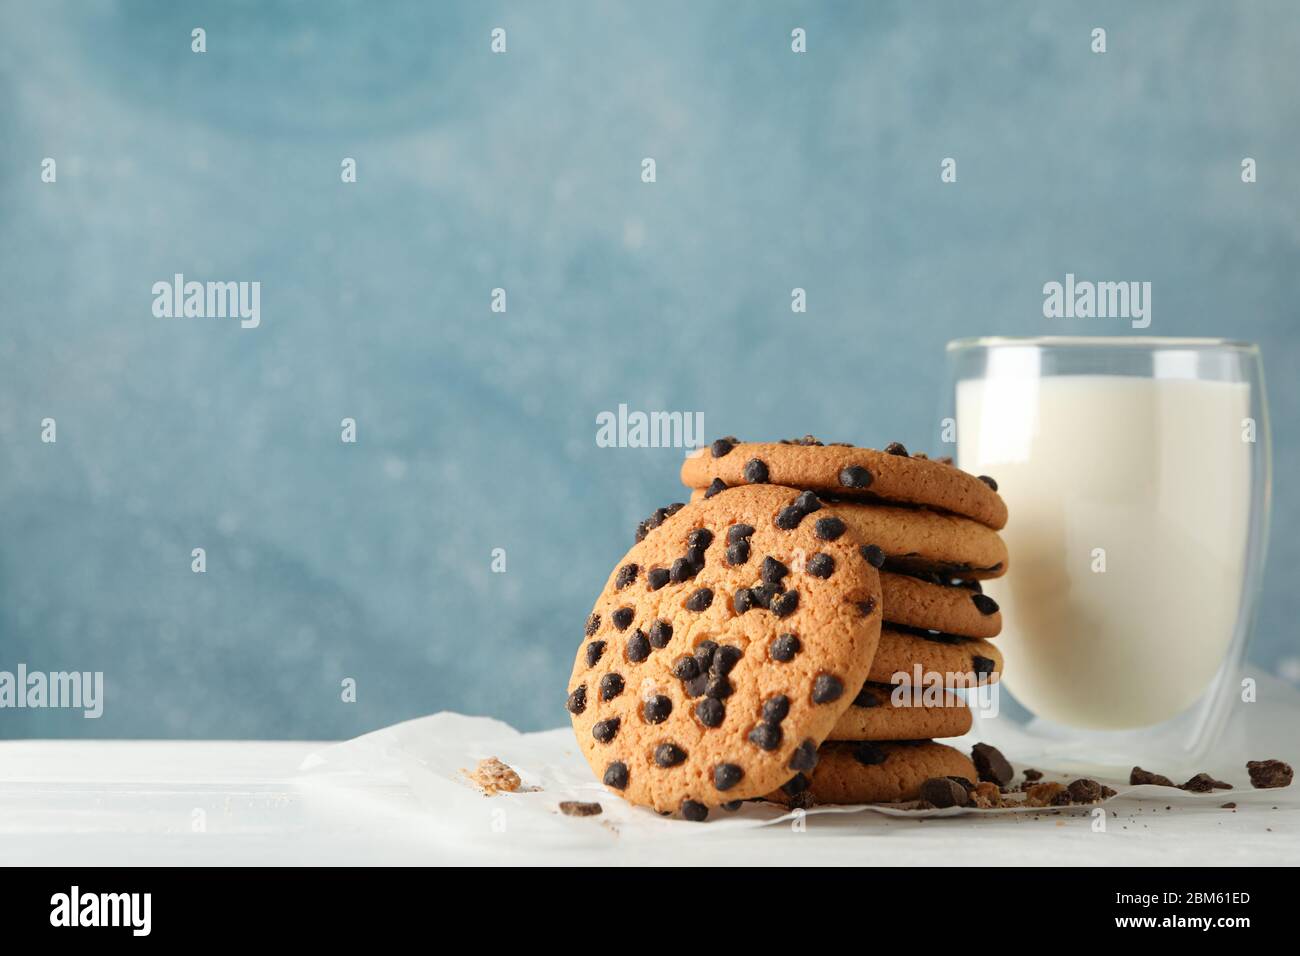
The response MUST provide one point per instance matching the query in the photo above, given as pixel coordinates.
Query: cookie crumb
(1138, 777)
(493, 777)
(1228, 806)
(1204, 783)
(1265, 774)
(986, 795)
(1086, 790)
(577, 808)
(1047, 795)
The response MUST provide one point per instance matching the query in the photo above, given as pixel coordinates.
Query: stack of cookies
(791, 633)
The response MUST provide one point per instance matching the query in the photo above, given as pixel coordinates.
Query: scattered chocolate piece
(1084, 790)
(616, 775)
(873, 555)
(827, 688)
(493, 776)
(1267, 774)
(1047, 795)
(895, 448)
(855, 476)
(1138, 777)
(783, 648)
(984, 604)
(944, 792)
(1032, 775)
(721, 447)
(991, 765)
(755, 471)
(989, 481)
(693, 811)
(716, 485)
(577, 808)
(1204, 783)
(727, 775)
(1228, 806)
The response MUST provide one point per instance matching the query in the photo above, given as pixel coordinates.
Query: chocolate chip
(622, 618)
(771, 571)
(656, 578)
(795, 785)
(721, 447)
(982, 666)
(710, 711)
(695, 686)
(944, 792)
(1138, 777)
(593, 624)
(868, 754)
(776, 708)
(755, 471)
(1267, 774)
(738, 553)
(716, 485)
(867, 606)
(991, 765)
(788, 518)
(579, 808)
(661, 632)
(611, 685)
(743, 600)
(820, 565)
(686, 668)
(804, 757)
(699, 600)
(808, 502)
(1204, 783)
(962, 782)
(718, 687)
(785, 605)
(694, 812)
(828, 529)
(984, 603)
(695, 558)
(727, 775)
(866, 698)
(765, 736)
(895, 448)
(725, 660)
(616, 775)
(731, 806)
(827, 688)
(873, 555)
(638, 648)
(783, 648)
(669, 755)
(1084, 790)
(699, 538)
(763, 594)
(626, 575)
(605, 730)
(739, 532)
(657, 709)
(704, 652)
(682, 570)
(594, 652)
(989, 481)
(855, 476)
(577, 701)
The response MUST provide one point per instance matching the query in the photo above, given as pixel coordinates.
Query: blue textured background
(477, 430)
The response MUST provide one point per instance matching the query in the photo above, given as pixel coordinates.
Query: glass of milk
(1137, 474)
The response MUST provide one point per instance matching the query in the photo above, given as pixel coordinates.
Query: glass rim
(1136, 342)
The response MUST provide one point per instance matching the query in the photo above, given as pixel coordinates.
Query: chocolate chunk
(989, 481)
(725, 659)
(962, 782)
(984, 603)
(593, 624)
(616, 775)
(578, 808)
(827, 688)
(622, 618)
(721, 447)
(855, 476)
(693, 811)
(1204, 783)
(710, 711)
(1267, 774)
(763, 594)
(982, 666)
(718, 687)
(776, 708)
(765, 736)
(657, 578)
(605, 730)
(820, 565)
(739, 532)
(1084, 790)
(755, 471)
(771, 571)
(895, 448)
(661, 632)
(704, 652)
(743, 600)
(796, 785)
(828, 529)
(944, 792)
(669, 755)
(869, 754)
(873, 555)
(1049, 794)
(783, 648)
(738, 553)
(1031, 774)
(577, 701)
(699, 600)
(611, 685)
(1139, 777)
(804, 757)
(686, 668)
(991, 765)
(866, 698)
(638, 648)
(727, 775)
(683, 569)
(699, 538)
(657, 709)
(788, 518)
(808, 502)
(626, 575)
(785, 605)
(716, 485)
(594, 652)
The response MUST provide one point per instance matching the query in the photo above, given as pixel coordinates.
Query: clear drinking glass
(1137, 476)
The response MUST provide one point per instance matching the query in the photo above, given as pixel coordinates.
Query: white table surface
(135, 803)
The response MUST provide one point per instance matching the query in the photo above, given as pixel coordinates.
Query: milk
(1129, 503)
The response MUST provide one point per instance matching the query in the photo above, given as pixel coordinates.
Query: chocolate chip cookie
(968, 660)
(873, 772)
(952, 608)
(710, 671)
(883, 712)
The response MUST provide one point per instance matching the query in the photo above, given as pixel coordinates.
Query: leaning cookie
(953, 609)
(882, 712)
(955, 661)
(850, 472)
(710, 671)
(873, 772)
